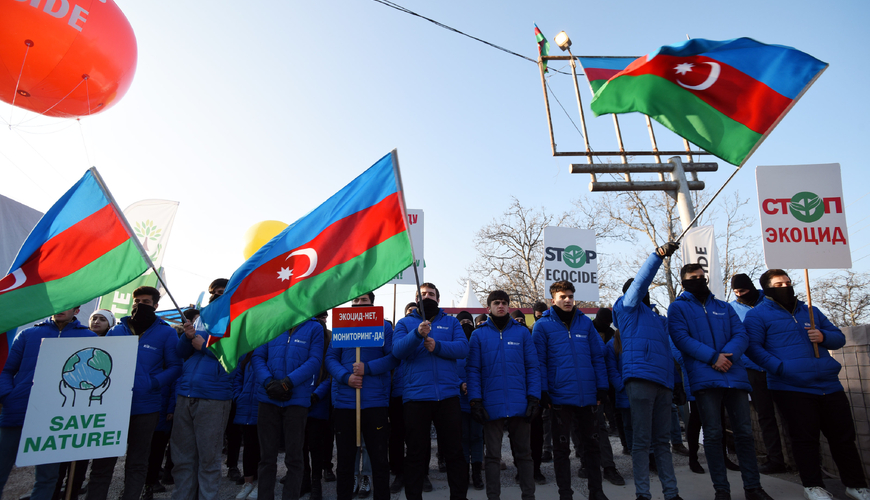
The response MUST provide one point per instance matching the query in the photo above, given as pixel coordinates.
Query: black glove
(679, 397)
(274, 390)
(601, 395)
(546, 402)
(287, 384)
(533, 409)
(667, 249)
(478, 412)
(314, 400)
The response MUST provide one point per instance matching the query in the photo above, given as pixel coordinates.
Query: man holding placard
(368, 372)
(806, 388)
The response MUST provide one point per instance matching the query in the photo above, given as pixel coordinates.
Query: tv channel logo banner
(358, 326)
(570, 255)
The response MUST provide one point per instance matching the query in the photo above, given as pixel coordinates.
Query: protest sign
(415, 229)
(570, 255)
(357, 326)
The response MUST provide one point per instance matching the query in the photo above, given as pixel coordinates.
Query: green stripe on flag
(110, 271)
(266, 321)
(679, 110)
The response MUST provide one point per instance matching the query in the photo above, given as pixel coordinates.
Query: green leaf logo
(574, 256)
(806, 207)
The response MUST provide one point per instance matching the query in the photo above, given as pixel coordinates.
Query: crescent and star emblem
(20, 278)
(286, 273)
(684, 68)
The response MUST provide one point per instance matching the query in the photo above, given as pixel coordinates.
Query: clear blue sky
(248, 111)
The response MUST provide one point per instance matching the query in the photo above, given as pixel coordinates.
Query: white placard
(699, 247)
(570, 255)
(79, 406)
(415, 227)
(803, 218)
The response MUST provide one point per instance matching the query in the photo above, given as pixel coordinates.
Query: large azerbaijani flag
(600, 69)
(725, 97)
(352, 244)
(80, 249)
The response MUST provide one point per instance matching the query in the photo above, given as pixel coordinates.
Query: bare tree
(845, 297)
(737, 246)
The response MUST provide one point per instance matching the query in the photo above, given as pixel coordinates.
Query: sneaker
(539, 477)
(246, 490)
(678, 497)
(427, 484)
(695, 467)
(355, 486)
(328, 475)
(233, 474)
(398, 484)
(680, 449)
(147, 493)
(858, 493)
(254, 493)
(722, 495)
(612, 475)
(759, 494)
(547, 457)
(597, 495)
(365, 487)
(817, 493)
(771, 468)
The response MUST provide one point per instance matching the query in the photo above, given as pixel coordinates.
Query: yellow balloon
(259, 234)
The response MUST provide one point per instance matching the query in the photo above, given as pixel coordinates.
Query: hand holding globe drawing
(88, 369)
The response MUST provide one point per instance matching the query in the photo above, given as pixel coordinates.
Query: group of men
(505, 373)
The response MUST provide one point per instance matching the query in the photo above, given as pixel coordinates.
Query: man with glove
(573, 384)
(504, 382)
(285, 369)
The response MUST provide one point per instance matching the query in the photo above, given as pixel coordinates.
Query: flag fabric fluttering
(352, 244)
(600, 69)
(543, 45)
(80, 249)
(725, 97)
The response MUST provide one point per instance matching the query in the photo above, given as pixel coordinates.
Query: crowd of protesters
(473, 379)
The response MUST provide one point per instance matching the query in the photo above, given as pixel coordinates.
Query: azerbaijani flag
(352, 244)
(80, 249)
(725, 97)
(543, 45)
(600, 69)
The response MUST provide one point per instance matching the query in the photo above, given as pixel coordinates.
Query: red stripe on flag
(593, 74)
(733, 93)
(71, 250)
(382, 220)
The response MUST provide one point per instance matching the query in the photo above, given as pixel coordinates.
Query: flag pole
(810, 307)
(701, 212)
(358, 410)
(398, 174)
(132, 235)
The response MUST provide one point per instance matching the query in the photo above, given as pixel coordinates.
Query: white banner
(570, 255)
(415, 227)
(699, 247)
(803, 219)
(79, 406)
(152, 220)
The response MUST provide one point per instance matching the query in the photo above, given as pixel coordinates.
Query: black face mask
(500, 321)
(698, 288)
(429, 308)
(749, 298)
(141, 317)
(360, 305)
(784, 296)
(468, 329)
(213, 297)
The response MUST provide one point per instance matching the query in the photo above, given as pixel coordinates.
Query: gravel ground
(21, 479)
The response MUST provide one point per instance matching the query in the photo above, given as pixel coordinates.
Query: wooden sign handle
(810, 307)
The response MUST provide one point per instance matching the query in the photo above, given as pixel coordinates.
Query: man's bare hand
(197, 342)
(464, 388)
(424, 328)
(815, 335)
(355, 381)
(359, 368)
(169, 417)
(189, 330)
(723, 364)
(429, 343)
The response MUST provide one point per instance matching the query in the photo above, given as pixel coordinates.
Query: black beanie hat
(464, 315)
(603, 317)
(739, 281)
(518, 314)
(627, 285)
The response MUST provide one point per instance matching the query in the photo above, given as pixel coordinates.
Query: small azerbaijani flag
(725, 97)
(543, 45)
(80, 249)
(352, 244)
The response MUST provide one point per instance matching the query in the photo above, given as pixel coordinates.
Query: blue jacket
(429, 376)
(703, 331)
(168, 393)
(16, 379)
(297, 356)
(462, 373)
(202, 375)
(503, 369)
(741, 309)
(571, 360)
(678, 357)
(645, 348)
(378, 361)
(245, 391)
(778, 341)
(614, 374)
(320, 411)
(397, 387)
(157, 363)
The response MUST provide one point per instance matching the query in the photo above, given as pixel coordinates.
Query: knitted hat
(106, 314)
(464, 315)
(741, 281)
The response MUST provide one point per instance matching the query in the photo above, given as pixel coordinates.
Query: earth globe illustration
(87, 369)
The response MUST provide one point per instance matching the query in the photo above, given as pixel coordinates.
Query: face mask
(784, 296)
(467, 329)
(749, 298)
(430, 308)
(698, 288)
(141, 317)
(359, 305)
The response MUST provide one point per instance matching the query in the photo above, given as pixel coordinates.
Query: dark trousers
(536, 438)
(155, 458)
(693, 430)
(587, 417)
(518, 433)
(397, 436)
(74, 482)
(375, 429)
(234, 439)
(807, 414)
(271, 420)
(603, 439)
(763, 404)
(736, 401)
(251, 453)
(315, 433)
(447, 417)
(139, 435)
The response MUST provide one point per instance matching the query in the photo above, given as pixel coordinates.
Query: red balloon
(65, 58)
